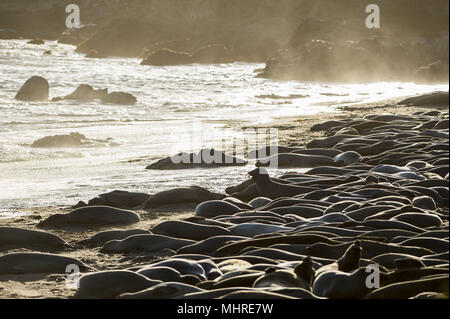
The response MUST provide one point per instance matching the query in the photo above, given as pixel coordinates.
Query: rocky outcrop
(436, 72)
(35, 88)
(121, 37)
(119, 98)
(87, 93)
(93, 54)
(84, 92)
(36, 41)
(166, 56)
(332, 43)
(70, 140)
(213, 53)
(206, 158)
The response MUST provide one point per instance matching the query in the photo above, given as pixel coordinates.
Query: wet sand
(293, 131)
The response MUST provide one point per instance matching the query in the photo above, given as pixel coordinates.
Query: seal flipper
(350, 260)
(305, 271)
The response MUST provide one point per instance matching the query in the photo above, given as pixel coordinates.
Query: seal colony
(374, 196)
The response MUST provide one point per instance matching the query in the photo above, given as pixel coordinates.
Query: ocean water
(180, 108)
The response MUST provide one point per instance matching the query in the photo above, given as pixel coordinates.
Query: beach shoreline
(293, 131)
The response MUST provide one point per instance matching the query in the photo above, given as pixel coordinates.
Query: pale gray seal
(184, 266)
(215, 208)
(259, 202)
(348, 158)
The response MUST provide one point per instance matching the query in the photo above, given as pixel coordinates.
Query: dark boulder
(35, 88)
(164, 56)
(84, 92)
(436, 72)
(119, 98)
(212, 53)
(70, 140)
(36, 41)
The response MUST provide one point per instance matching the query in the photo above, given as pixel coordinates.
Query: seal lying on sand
(103, 237)
(110, 284)
(119, 199)
(91, 216)
(144, 243)
(37, 263)
(193, 194)
(301, 277)
(187, 230)
(296, 160)
(13, 238)
(271, 189)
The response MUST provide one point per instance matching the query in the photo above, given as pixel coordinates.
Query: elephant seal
(13, 238)
(165, 290)
(349, 261)
(194, 194)
(273, 190)
(37, 263)
(253, 229)
(388, 260)
(184, 266)
(110, 284)
(434, 244)
(162, 273)
(214, 208)
(233, 264)
(208, 246)
(259, 202)
(301, 277)
(103, 237)
(342, 285)
(295, 160)
(408, 289)
(144, 243)
(91, 216)
(119, 199)
(238, 203)
(187, 230)
(419, 220)
(348, 158)
(252, 294)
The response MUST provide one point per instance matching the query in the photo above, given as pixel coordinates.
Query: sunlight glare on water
(170, 101)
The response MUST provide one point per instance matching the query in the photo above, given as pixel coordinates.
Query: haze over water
(171, 100)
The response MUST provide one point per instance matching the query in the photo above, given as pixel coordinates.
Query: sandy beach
(293, 132)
